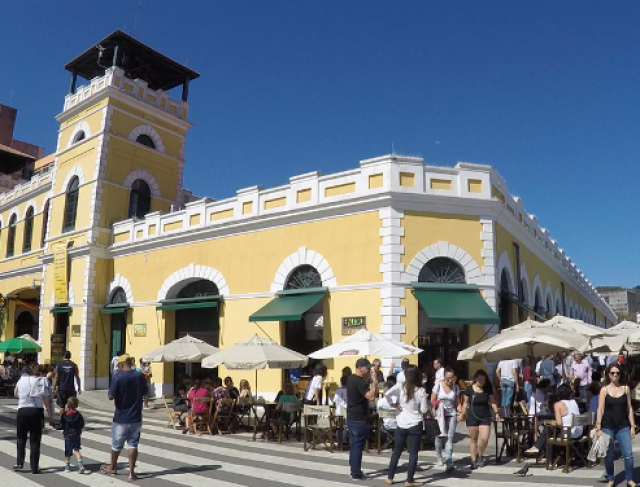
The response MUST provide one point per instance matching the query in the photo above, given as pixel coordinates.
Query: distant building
(621, 301)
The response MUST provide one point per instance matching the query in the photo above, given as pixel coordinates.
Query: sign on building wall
(353, 324)
(76, 330)
(140, 330)
(60, 272)
(57, 348)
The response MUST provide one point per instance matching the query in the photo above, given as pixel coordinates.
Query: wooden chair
(202, 421)
(390, 434)
(175, 417)
(244, 406)
(224, 417)
(319, 422)
(578, 448)
(504, 435)
(523, 433)
(285, 418)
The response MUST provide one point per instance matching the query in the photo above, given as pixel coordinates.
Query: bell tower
(120, 155)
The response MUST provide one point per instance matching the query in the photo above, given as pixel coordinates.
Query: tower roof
(137, 60)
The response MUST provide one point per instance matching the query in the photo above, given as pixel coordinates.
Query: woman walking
(410, 399)
(615, 418)
(479, 408)
(33, 395)
(445, 394)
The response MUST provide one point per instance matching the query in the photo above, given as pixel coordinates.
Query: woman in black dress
(479, 409)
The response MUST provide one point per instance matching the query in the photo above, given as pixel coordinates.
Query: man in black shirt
(359, 394)
(63, 387)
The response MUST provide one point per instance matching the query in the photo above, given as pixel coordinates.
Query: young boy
(72, 424)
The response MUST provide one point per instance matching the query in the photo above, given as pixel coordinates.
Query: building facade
(121, 258)
(621, 301)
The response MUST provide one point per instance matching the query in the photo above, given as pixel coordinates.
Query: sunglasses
(614, 373)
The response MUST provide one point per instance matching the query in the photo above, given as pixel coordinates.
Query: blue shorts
(121, 432)
(70, 445)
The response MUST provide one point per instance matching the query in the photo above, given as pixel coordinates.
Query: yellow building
(107, 251)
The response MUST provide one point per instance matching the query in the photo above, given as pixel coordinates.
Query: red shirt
(526, 373)
(198, 407)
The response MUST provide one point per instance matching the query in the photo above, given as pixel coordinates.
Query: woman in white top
(313, 394)
(33, 394)
(410, 399)
(564, 411)
(445, 394)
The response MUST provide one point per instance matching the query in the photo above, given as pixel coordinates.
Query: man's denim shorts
(121, 432)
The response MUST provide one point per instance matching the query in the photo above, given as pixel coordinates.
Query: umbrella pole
(256, 385)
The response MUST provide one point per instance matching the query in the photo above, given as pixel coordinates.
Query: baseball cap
(363, 362)
(123, 358)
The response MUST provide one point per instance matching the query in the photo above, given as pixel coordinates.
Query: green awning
(287, 307)
(192, 305)
(454, 304)
(116, 310)
(60, 309)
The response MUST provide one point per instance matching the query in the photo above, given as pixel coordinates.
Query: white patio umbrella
(254, 354)
(562, 323)
(526, 341)
(186, 349)
(625, 326)
(26, 336)
(363, 343)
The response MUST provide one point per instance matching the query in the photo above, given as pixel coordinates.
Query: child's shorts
(71, 445)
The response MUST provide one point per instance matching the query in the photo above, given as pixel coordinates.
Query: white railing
(40, 178)
(137, 88)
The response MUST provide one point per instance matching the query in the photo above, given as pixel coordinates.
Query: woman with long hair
(410, 400)
(615, 418)
(445, 394)
(479, 408)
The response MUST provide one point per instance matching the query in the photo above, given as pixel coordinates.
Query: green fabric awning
(192, 305)
(60, 309)
(454, 304)
(287, 307)
(114, 310)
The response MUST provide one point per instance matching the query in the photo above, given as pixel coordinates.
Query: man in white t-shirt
(114, 363)
(437, 366)
(507, 370)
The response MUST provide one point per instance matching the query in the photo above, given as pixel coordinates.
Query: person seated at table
(539, 398)
(198, 408)
(286, 395)
(245, 389)
(219, 392)
(593, 393)
(233, 391)
(564, 410)
(180, 401)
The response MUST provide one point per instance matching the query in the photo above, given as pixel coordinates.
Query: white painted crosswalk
(170, 459)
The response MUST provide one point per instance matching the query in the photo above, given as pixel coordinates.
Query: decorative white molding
(120, 281)
(504, 264)
(14, 211)
(149, 131)
(75, 171)
(145, 176)
(83, 126)
(303, 256)
(30, 204)
(192, 272)
(472, 272)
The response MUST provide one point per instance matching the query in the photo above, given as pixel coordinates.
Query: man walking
(63, 387)
(129, 391)
(114, 364)
(359, 394)
(439, 370)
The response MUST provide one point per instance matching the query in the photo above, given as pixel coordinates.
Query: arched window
(443, 270)
(45, 223)
(537, 305)
(28, 231)
(505, 309)
(549, 306)
(78, 137)
(145, 140)
(119, 296)
(11, 238)
(302, 277)
(139, 199)
(71, 205)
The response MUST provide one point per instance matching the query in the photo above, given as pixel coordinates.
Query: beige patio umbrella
(625, 326)
(563, 323)
(186, 349)
(365, 343)
(254, 354)
(512, 343)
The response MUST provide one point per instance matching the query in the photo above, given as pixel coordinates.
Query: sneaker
(480, 462)
(18, 467)
(439, 462)
(474, 465)
(450, 468)
(67, 469)
(81, 469)
(358, 478)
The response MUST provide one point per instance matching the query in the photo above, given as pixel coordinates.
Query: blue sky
(546, 92)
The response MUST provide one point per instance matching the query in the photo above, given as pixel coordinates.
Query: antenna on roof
(135, 22)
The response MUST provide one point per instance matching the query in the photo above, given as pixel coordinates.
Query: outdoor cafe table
(263, 421)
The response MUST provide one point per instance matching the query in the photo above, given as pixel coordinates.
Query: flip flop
(133, 478)
(106, 469)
